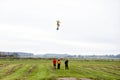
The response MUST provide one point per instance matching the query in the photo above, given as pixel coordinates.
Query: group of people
(58, 62)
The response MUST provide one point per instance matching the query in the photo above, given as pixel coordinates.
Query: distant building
(49, 55)
(16, 54)
(6, 54)
(22, 54)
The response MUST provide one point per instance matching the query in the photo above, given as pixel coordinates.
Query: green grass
(39, 69)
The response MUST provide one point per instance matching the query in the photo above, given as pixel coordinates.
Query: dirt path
(67, 79)
(73, 79)
(85, 79)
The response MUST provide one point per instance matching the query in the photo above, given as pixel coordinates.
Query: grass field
(39, 69)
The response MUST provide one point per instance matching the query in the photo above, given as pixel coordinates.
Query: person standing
(66, 64)
(58, 63)
(54, 63)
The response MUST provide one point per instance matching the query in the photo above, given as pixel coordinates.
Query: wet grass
(39, 69)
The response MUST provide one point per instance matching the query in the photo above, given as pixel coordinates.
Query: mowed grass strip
(97, 75)
(17, 73)
(100, 70)
(42, 69)
(108, 69)
(38, 73)
(11, 70)
(41, 72)
(23, 71)
(3, 71)
(115, 70)
(3, 65)
(27, 73)
(92, 70)
(14, 68)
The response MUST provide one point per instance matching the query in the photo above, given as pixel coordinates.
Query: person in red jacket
(54, 63)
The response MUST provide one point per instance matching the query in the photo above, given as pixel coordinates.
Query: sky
(88, 27)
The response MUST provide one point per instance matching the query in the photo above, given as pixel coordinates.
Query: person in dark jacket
(66, 64)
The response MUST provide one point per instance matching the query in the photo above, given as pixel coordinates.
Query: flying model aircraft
(58, 24)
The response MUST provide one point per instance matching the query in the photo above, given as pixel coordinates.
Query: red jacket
(54, 61)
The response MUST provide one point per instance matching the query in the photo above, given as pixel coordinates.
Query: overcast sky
(87, 26)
